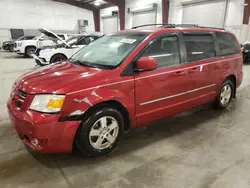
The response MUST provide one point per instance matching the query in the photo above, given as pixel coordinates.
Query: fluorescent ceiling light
(97, 2)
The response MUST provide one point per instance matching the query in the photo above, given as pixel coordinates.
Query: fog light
(35, 142)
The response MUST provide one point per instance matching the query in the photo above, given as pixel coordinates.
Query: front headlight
(47, 103)
(19, 44)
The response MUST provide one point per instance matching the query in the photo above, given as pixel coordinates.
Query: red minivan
(121, 81)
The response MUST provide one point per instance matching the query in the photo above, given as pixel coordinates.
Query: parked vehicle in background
(9, 45)
(28, 47)
(246, 52)
(122, 81)
(62, 52)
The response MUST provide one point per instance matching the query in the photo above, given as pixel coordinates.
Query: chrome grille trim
(21, 94)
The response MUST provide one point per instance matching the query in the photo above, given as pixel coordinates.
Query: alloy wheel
(225, 95)
(104, 133)
(30, 51)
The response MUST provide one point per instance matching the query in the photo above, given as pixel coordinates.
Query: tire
(29, 51)
(93, 139)
(225, 94)
(11, 48)
(58, 57)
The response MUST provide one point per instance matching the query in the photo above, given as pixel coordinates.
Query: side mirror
(146, 64)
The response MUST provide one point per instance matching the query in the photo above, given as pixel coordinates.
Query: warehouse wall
(106, 11)
(137, 3)
(234, 14)
(33, 14)
(233, 17)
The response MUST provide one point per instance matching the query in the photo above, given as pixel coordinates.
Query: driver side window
(165, 50)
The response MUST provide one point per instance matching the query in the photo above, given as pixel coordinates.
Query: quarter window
(227, 44)
(199, 46)
(165, 50)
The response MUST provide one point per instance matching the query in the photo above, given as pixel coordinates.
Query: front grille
(21, 94)
(19, 98)
(18, 103)
(15, 45)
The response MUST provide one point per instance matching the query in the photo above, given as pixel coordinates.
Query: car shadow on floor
(137, 138)
(15, 56)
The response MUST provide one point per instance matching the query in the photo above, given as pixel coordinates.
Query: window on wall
(227, 44)
(199, 46)
(166, 51)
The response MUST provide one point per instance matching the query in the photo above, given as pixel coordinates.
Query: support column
(165, 11)
(122, 17)
(246, 13)
(96, 14)
(245, 27)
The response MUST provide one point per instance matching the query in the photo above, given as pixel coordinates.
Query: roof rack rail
(152, 25)
(213, 28)
(176, 25)
(184, 25)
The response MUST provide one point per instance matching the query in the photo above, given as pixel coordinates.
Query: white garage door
(209, 13)
(142, 18)
(110, 24)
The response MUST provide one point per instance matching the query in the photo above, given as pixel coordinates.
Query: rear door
(161, 92)
(200, 62)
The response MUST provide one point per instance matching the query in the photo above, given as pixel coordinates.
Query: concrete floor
(198, 149)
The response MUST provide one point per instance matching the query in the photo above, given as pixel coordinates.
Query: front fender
(78, 103)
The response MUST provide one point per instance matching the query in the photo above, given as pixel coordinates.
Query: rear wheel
(100, 133)
(58, 57)
(225, 94)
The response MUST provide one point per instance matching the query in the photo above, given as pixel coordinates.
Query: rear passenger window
(227, 44)
(165, 50)
(199, 46)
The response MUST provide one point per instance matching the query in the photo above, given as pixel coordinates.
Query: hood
(51, 78)
(52, 46)
(52, 35)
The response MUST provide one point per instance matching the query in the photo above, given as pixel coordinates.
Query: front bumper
(19, 50)
(52, 135)
(40, 61)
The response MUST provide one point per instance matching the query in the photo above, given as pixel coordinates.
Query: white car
(63, 51)
(28, 47)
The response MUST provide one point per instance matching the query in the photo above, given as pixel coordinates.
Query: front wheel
(225, 94)
(29, 51)
(100, 133)
(58, 57)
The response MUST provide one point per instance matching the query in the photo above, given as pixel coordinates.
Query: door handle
(192, 70)
(179, 73)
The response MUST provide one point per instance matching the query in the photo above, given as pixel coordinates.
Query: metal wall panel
(208, 13)
(143, 18)
(110, 24)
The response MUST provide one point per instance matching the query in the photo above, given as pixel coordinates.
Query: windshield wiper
(89, 64)
(84, 63)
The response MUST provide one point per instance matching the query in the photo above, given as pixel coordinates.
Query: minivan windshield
(108, 51)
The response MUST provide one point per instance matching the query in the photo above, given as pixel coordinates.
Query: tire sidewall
(27, 50)
(82, 140)
(230, 83)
